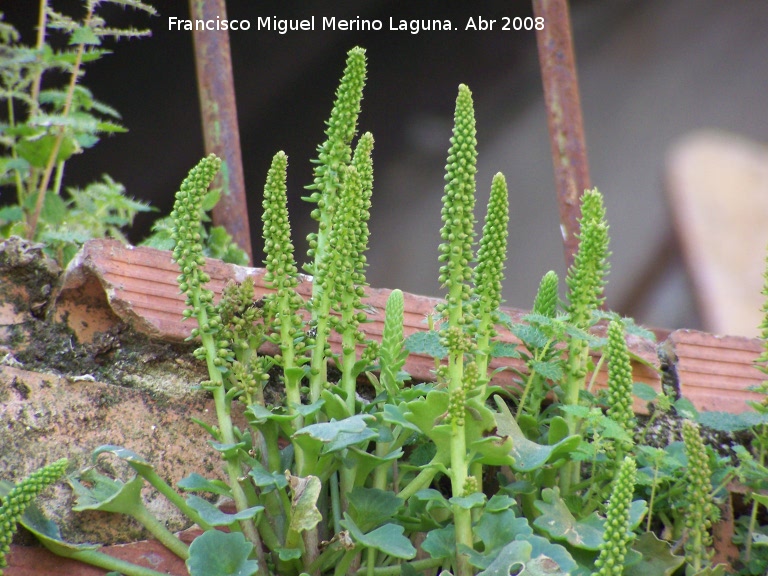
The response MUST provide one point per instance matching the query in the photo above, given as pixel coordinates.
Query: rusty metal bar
(216, 88)
(566, 130)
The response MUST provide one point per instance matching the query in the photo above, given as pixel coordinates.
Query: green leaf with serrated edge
(105, 494)
(84, 35)
(440, 543)
(216, 553)
(686, 409)
(37, 151)
(552, 370)
(644, 391)
(210, 199)
(426, 343)
(657, 557)
(196, 483)
(304, 512)
(216, 517)
(528, 455)
(474, 500)
(504, 350)
(371, 507)
(531, 336)
(727, 422)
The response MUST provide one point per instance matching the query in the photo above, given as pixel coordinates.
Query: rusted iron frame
(216, 89)
(566, 130)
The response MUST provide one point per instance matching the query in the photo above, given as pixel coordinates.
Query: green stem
(107, 562)
(162, 486)
(159, 531)
(422, 479)
(416, 565)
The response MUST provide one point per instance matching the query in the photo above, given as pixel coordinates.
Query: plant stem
(102, 560)
(159, 531)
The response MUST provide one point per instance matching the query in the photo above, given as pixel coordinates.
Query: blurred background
(658, 79)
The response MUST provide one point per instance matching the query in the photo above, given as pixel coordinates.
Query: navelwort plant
(346, 470)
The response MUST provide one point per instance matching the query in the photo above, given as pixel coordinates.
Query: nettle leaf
(196, 483)
(388, 539)
(84, 35)
(37, 150)
(504, 350)
(216, 553)
(216, 517)
(105, 494)
(644, 391)
(528, 455)
(371, 507)
(726, 422)
(531, 336)
(427, 344)
(551, 370)
(657, 557)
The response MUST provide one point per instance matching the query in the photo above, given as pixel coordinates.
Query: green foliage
(360, 474)
(46, 123)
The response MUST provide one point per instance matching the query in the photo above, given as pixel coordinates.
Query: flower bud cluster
(545, 303)
(587, 276)
(618, 535)
(188, 249)
(699, 506)
(20, 497)
(491, 255)
(619, 379)
(459, 202)
(335, 153)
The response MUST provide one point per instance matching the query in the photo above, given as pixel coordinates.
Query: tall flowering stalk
(618, 535)
(334, 157)
(489, 274)
(456, 254)
(586, 279)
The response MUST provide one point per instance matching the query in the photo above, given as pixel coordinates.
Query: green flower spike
(585, 280)
(617, 536)
(188, 250)
(455, 274)
(336, 151)
(545, 303)
(699, 505)
(619, 384)
(392, 353)
(21, 496)
(489, 272)
(334, 157)
(283, 277)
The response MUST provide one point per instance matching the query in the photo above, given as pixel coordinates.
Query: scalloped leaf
(216, 553)
(657, 557)
(105, 494)
(371, 507)
(388, 539)
(216, 517)
(304, 512)
(528, 455)
(196, 483)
